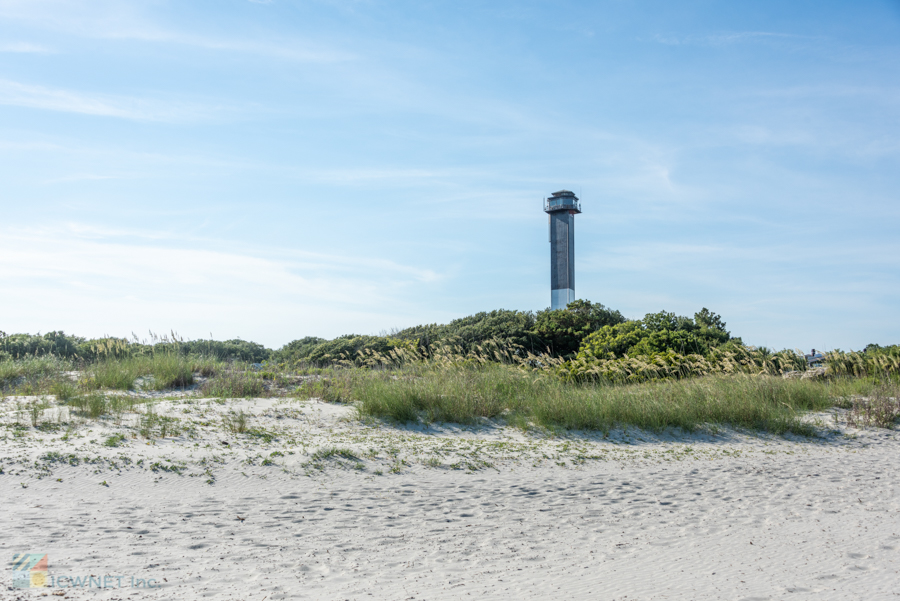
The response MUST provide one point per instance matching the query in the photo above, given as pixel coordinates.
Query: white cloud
(93, 281)
(124, 107)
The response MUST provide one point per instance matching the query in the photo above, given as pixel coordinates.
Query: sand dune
(636, 516)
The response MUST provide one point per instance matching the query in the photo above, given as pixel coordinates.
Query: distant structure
(561, 209)
(815, 359)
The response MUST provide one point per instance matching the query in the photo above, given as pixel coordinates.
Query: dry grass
(881, 409)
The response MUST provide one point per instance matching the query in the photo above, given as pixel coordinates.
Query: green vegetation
(234, 383)
(584, 330)
(153, 425)
(585, 367)
(657, 333)
(162, 371)
(115, 440)
(236, 423)
(562, 332)
(28, 374)
(96, 405)
(56, 344)
(61, 345)
(880, 408)
(63, 390)
(464, 393)
(36, 411)
(348, 347)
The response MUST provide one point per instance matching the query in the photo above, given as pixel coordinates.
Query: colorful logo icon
(30, 570)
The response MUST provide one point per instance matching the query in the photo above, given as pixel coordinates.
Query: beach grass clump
(151, 424)
(170, 370)
(32, 368)
(112, 374)
(93, 405)
(234, 383)
(331, 389)
(759, 403)
(880, 409)
(206, 366)
(96, 405)
(464, 393)
(333, 453)
(341, 455)
(63, 390)
(32, 375)
(161, 370)
(166, 370)
(36, 412)
(236, 423)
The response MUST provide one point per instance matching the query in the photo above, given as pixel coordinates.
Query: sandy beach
(316, 504)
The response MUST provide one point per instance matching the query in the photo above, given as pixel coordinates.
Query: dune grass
(462, 389)
(159, 371)
(113, 374)
(32, 373)
(465, 393)
(236, 423)
(155, 371)
(96, 405)
(234, 383)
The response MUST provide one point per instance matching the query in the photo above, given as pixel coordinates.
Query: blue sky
(272, 170)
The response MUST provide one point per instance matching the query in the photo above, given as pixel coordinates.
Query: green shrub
(57, 344)
(511, 327)
(562, 331)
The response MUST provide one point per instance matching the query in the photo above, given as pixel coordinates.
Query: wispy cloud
(81, 177)
(24, 48)
(368, 175)
(84, 276)
(722, 39)
(712, 268)
(888, 93)
(291, 259)
(14, 93)
(292, 50)
(129, 21)
(770, 294)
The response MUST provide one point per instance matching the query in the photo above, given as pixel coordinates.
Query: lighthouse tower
(561, 209)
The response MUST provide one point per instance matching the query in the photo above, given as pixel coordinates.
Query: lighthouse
(561, 209)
